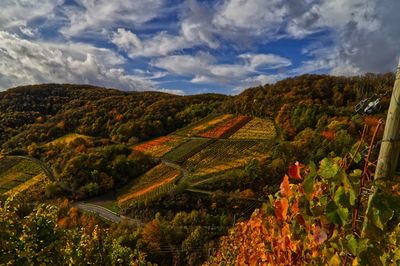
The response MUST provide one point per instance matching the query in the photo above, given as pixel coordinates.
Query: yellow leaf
(335, 260)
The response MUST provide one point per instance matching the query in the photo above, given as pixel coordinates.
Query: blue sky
(193, 46)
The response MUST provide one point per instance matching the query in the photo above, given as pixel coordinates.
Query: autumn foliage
(310, 223)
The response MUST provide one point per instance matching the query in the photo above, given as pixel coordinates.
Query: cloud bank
(178, 46)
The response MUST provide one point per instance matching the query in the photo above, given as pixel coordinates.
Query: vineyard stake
(390, 147)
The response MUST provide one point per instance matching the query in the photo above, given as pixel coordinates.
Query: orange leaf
(294, 170)
(281, 208)
(295, 208)
(285, 188)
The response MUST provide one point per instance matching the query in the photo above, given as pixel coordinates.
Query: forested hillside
(185, 169)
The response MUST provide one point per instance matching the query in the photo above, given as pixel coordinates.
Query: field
(68, 139)
(257, 128)
(186, 150)
(16, 171)
(227, 128)
(159, 146)
(154, 183)
(224, 155)
(203, 125)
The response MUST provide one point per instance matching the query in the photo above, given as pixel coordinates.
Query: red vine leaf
(294, 170)
(285, 187)
(281, 208)
(295, 208)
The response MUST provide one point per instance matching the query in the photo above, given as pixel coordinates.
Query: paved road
(105, 213)
(185, 174)
(206, 192)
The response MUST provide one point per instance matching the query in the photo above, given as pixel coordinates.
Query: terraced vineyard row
(227, 128)
(155, 182)
(159, 146)
(203, 125)
(17, 174)
(186, 150)
(257, 128)
(223, 155)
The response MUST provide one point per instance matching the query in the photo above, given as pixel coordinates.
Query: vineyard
(224, 155)
(186, 150)
(227, 128)
(16, 171)
(156, 182)
(35, 181)
(203, 125)
(159, 146)
(257, 128)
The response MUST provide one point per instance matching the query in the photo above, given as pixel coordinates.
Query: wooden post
(390, 147)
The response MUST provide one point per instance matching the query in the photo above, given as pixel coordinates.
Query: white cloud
(27, 62)
(203, 68)
(160, 44)
(19, 13)
(195, 30)
(99, 15)
(269, 61)
(255, 16)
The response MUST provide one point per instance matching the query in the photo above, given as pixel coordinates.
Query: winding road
(106, 213)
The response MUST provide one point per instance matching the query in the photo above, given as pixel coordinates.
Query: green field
(15, 171)
(186, 150)
(69, 138)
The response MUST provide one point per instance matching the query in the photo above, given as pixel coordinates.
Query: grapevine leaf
(376, 219)
(319, 235)
(352, 197)
(281, 208)
(328, 168)
(340, 197)
(309, 180)
(352, 244)
(343, 214)
(294, 170)
(356, 174)
(285, 187)
(357, 156)
(331, 213)
(335, 260)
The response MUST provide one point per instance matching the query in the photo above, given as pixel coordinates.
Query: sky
(193, 46)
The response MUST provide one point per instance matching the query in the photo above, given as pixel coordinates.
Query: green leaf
(352, 244)
(310, 178)
(376, 219)
(340, 196)
(331, 213)
(328, 168)
(343, 214)
(355, 175)
(352, 197)
(357, 156)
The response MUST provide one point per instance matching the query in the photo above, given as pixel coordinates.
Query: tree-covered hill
(41, 113)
